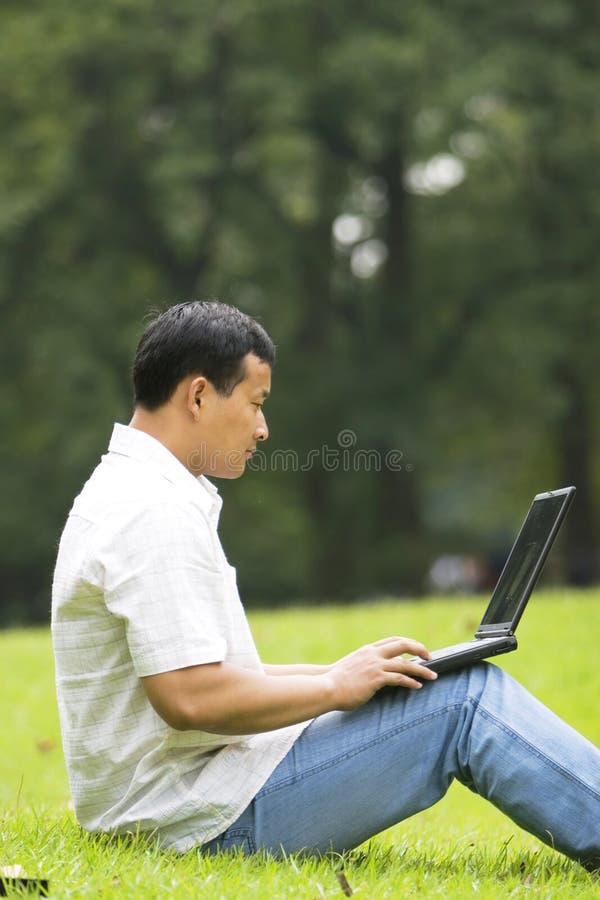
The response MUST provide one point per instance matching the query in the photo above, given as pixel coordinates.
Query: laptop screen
(526, 559)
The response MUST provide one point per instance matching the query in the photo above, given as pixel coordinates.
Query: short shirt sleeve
(163, 577)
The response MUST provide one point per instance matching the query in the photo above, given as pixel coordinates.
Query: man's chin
(228, 472)
(231, 476)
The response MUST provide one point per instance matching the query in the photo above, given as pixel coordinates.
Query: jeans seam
(516, 735)
(379, 739)
(239, 831)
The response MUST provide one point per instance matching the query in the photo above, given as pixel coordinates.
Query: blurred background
(407, 195)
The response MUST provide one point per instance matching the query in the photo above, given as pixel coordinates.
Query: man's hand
(359, 675)
(226, 699)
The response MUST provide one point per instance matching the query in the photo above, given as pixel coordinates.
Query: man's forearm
(301, 669)
(224, 699)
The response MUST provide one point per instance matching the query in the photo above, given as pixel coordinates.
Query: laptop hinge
(493, 632)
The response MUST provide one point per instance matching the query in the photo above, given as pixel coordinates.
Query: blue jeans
(352, 774)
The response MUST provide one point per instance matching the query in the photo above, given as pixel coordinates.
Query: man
(170, 722)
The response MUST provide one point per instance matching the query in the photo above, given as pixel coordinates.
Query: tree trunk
(575, 445)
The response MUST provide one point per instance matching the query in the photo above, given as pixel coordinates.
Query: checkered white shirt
(142, 586)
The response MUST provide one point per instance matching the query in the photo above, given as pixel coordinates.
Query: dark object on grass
(344, 884)
(25, 885)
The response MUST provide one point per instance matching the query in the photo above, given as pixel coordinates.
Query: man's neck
(160, 426)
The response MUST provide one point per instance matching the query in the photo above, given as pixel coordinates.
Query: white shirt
(142, 586)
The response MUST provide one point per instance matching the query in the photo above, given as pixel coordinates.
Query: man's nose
(262, 430)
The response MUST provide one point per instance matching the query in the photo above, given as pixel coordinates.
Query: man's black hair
(198, 337)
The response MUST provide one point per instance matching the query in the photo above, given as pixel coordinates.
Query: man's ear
(195, 395)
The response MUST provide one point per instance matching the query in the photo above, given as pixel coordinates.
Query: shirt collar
(138, 445)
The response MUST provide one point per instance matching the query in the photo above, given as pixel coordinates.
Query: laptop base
(466, 654)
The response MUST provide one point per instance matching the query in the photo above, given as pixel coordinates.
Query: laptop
(496, 632)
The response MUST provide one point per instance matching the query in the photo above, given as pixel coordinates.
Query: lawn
(460, 848)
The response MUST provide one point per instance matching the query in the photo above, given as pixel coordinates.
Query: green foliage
(151, 154)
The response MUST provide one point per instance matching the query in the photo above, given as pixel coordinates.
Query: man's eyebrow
(265, 393)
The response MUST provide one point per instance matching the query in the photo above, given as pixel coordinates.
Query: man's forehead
(258, 375)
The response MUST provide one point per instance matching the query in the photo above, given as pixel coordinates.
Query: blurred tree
(533, 112)
(406, 195)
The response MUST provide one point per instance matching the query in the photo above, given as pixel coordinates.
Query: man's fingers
(399, 679)
(396, 646)
(409, 667)
(392, 639)
(414, 668)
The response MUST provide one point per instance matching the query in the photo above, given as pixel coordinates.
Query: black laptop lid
(525, 562)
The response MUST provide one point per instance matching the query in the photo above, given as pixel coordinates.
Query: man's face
(232, 426)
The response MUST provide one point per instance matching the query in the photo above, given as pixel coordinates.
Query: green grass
(460, 848)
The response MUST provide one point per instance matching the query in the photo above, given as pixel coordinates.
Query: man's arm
(299, 669)
(226, 699)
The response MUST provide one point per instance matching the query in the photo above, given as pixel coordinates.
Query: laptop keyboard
(455, 648)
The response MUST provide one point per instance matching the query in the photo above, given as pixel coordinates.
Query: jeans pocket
(238, 837)
(235, 838)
